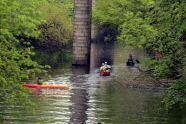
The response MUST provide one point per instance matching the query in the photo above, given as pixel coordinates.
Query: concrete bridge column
(82, 32)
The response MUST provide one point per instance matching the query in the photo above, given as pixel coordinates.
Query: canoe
(130, 63)
(45, 86)
(104, 73)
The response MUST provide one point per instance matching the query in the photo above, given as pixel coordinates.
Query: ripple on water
(90, 99)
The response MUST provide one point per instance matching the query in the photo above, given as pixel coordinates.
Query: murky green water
(91, 99)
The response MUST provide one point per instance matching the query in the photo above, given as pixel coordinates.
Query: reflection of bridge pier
(79, 97)
(79, 106)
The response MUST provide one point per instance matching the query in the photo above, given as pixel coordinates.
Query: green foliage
(136, 32)
(58, 26)
(176, 95)
(148, 63)
(128, 17)
(18, 18)
(56, 58)
(167, 17)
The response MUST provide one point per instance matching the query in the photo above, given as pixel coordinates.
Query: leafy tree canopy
(58, 26)
(18, 18)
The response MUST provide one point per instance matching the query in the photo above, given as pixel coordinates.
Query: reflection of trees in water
(127, 105)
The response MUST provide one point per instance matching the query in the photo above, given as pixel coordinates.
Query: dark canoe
(130, 63)
(104, 73)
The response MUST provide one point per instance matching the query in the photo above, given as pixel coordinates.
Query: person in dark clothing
(38, 81)
(130, 61)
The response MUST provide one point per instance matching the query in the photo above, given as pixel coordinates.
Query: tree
(56, 32)
(18, 19)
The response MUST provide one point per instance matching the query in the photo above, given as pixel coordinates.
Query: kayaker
(130, 59)
(38, 81)
(108, 67)
(103, 68)
(157, 56)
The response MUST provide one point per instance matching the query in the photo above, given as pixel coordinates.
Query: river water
(92, 98)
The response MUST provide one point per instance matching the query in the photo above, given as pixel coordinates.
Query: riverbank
(137, 77)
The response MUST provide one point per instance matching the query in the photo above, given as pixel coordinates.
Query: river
(93, 98)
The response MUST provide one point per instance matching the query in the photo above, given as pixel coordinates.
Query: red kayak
(45, 86)
(104, 73)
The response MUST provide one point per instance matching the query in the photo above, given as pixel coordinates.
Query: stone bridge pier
(82, 32)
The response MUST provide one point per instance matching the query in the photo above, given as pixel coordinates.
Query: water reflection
(93, 98)
(127, 106)
(79, 96)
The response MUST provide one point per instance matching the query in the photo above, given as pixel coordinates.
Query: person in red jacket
(157, 56)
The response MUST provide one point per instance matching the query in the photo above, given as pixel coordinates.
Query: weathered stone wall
(93, 27)
(82, 32)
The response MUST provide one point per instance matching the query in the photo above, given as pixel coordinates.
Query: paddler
(103, 68)
(38, 81)
(108, 67)
(130, 59)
